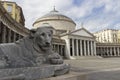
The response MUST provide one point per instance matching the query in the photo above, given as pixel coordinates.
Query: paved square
(97, 69)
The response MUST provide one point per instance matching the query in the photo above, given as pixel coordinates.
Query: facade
(10, 29)
(108, 43)
(108, 50)
(70, 43)
(107, 36)
(118, 36)
(79, 43)
(15, 11)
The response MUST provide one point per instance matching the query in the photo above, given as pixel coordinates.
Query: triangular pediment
(82, 32)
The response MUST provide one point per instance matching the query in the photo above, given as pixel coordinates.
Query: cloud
(98, 15)
(95, 14)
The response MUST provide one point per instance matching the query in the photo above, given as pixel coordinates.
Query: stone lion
(33, 50)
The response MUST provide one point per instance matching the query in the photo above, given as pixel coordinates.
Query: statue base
(69, 76)
(33, 73)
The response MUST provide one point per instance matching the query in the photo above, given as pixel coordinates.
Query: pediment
(82, 32)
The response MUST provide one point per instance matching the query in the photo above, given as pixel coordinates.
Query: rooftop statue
(31, 55)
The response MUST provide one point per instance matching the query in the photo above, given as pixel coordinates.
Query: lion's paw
(55, 59)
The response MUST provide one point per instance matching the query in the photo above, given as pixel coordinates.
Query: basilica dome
(57, 20)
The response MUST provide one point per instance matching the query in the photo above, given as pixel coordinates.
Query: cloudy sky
(94, 14)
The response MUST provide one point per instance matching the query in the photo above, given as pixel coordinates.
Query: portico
(86, 49)
(79, 45)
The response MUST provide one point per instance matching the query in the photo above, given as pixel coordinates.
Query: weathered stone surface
(27, 73)
(15, 77)
(70, 76)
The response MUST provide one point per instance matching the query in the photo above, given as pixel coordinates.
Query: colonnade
(79, 47)
(59, 48)
(108, 50)
(7, 35)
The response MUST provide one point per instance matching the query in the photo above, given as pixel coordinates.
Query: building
(15, 11)
(108, 43)
(118, 36)
(10, 29)
(79, 43)
(108, 49)
(60, 22)
(70, 43)
(107, 36)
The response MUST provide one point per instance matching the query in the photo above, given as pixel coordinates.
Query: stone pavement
(97, 69)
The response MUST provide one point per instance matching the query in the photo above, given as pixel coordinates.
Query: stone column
(118, 51)
(67, 53)
(111, 51)
(53, 47)
(61, 53)
(77, 47)
(85, 47)
(102, 51)
(14, 37)
(81, 48)
(114, 52)
(91, 48)
(88, 48)
(57, 48)
(107, 51)
(9, 39)
(98, 51)
(73, 47)
(61, 50)
(94, 48)
(4, 34)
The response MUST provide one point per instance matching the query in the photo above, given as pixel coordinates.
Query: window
(9, 8)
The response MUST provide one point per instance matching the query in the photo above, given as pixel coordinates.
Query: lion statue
(33, 50)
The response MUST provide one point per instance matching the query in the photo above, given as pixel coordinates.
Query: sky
(95, 15)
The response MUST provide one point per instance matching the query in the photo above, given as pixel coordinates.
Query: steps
(86, 57)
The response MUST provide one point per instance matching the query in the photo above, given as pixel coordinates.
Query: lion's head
(42, 37)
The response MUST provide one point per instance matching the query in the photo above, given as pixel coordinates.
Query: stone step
(86, 57)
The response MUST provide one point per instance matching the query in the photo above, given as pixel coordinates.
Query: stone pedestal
(69, 76)
(33, 73)
(26, 73)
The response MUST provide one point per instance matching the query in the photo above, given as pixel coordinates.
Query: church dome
(56, 20)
